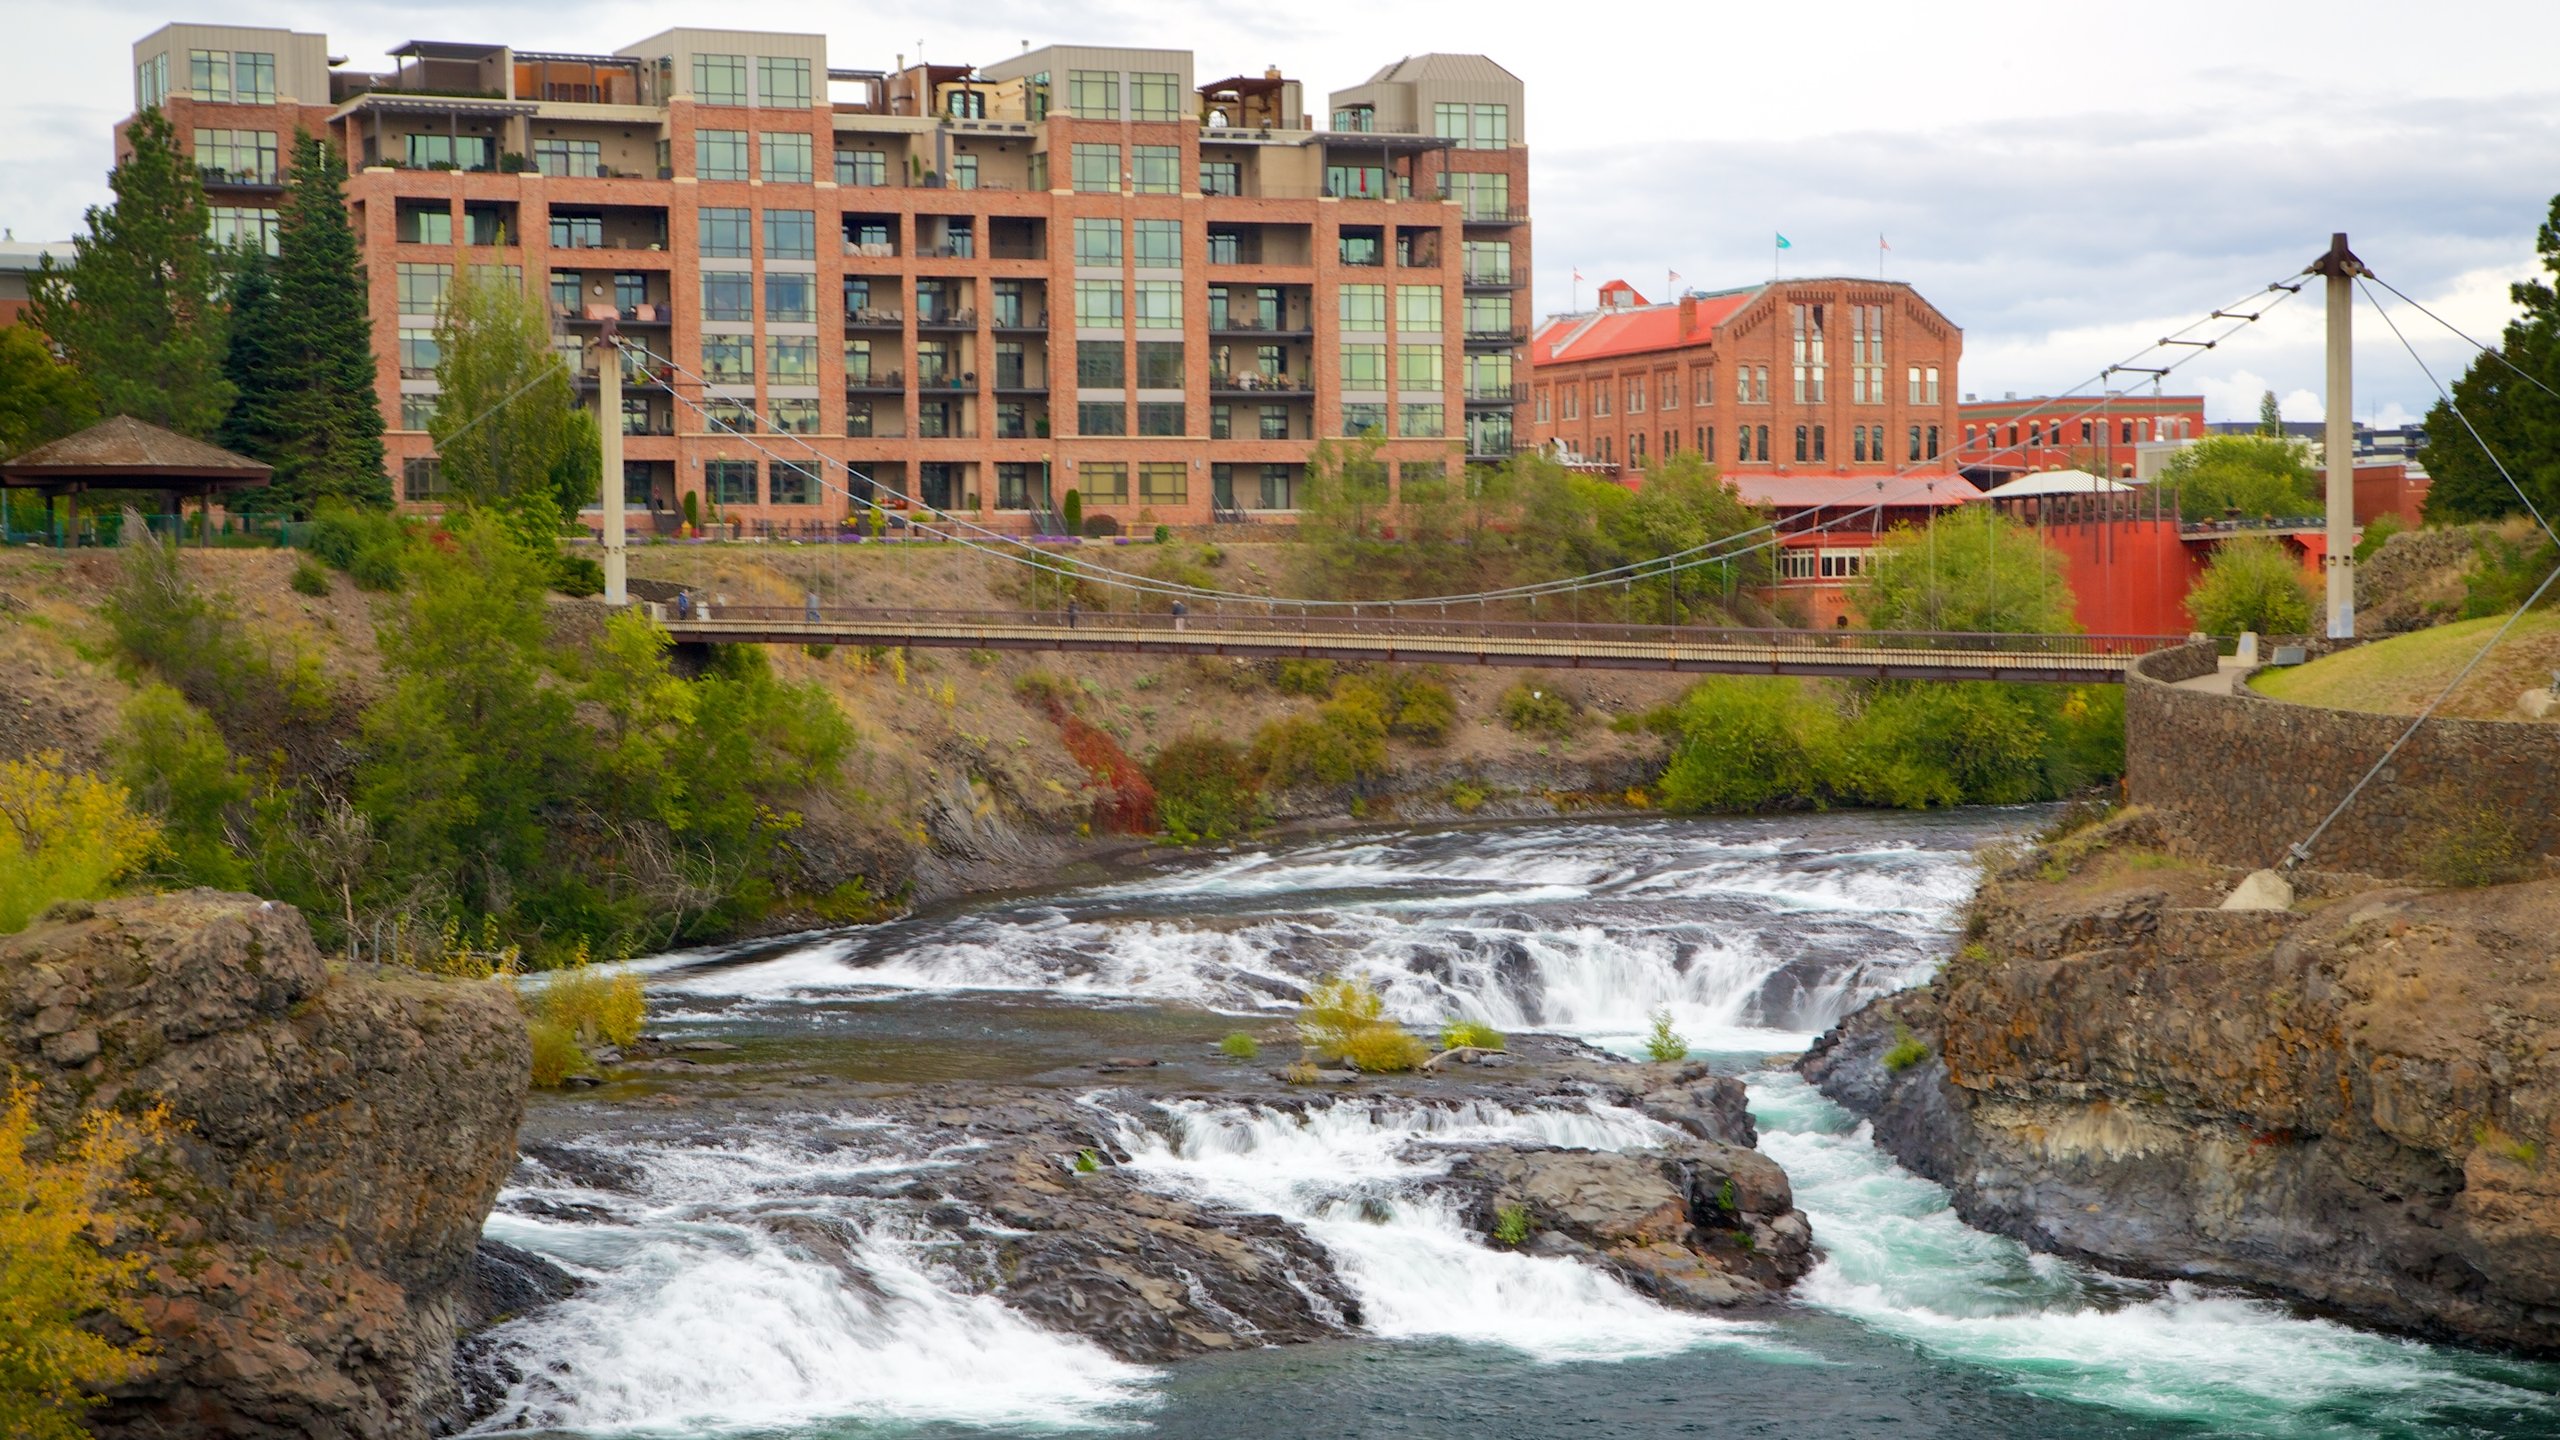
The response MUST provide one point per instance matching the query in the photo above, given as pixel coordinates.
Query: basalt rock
(2356, 1106)
(339, 1138)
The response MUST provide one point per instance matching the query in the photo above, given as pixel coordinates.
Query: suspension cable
(2455, 406)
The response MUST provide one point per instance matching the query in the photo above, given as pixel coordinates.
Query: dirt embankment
(959, 782)
(2355, 1102)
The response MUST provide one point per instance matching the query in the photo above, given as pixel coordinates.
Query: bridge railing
(1382, 628)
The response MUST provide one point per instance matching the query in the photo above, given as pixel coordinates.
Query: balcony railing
(1495, 215)
(216, 175)
(891, 381)
(1254, 382)
(963, 382)
(1018, 322)
(963, 318)
(1513, 335)
(877, 249)
(1491, 277)
(875, 317)
(1512, 394)
(1254, 325)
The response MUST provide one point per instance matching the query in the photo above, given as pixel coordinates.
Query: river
(708, 1310)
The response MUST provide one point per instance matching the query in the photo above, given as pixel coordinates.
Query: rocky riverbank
(2354, 1102)
(338, 1140)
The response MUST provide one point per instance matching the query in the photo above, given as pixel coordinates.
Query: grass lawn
(2401, 674)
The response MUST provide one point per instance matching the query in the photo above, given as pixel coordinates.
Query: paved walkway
(2225, 680)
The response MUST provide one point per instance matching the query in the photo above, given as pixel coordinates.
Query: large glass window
(729, 359)
(1492, 128)
(1102, 417)
(790, 298)
(1364, 367)
(151, 82)
(581, 159)
(566, 298)
(1364, 307)
(422, 287)
(725, 232)
(1488, 262)
(417, 412)
(787, 159)
(1165, 482)
(255, 226)
(1097, 168)
(236, 156)
(782, 81)
(1101, 365)
(964, 172)
(730, 482)
(1160, 418)
(421, 478)
(1418, 308)
(1155, 95)
(794, 482)
(1356, 182)
(446, 152)
(1482, 197)
(418, 354)
(1155, 169)
(1159, 243)
(1221, 177)
(1098, 304)
(1093, 94)
(791, 359)
(571, 231)
(1159, 364)
(1364, 419)
(862, 167)
(1159, 305)
(1418, 367)
(791, 234)
(1449, 121)
(720, 79)
(1422, 421)
(720, 154)
(1488, 314)
(1107, 481)
(244, 77)
(1097, 241)
(792, 415)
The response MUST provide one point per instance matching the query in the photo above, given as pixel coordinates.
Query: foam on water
(1351, 1175)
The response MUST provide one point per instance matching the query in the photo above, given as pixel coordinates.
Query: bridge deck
(1846, 654)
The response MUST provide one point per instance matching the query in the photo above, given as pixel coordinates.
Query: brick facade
(2096, 433)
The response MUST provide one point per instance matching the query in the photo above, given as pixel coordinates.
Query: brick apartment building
(1832, 401)
(979, 285)
(2100, 434)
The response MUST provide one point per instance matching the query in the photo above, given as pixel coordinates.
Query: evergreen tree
(2270, 416)
(255, 360)
(2516, 418)
(331, 417)
(136, 311)
(505, 421)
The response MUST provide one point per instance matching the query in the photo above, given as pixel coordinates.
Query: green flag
(1785, 244)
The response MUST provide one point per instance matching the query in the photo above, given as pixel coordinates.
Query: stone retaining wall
(2242, 778)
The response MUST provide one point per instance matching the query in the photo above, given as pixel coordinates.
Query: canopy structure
(2042, 483)
(123, 453)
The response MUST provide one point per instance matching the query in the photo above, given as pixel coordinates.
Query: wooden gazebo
(125, 454)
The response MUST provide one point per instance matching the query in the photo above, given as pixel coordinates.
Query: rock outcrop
(2357, 1105)
(339, 1139)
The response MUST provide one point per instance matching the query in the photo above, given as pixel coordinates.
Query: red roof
(1629, 332)
(1825, 492)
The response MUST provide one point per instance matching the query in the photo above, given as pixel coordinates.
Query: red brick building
(2009, 437)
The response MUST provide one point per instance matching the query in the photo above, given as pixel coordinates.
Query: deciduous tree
(504, 421)
(2253, 474)
(2252, 583)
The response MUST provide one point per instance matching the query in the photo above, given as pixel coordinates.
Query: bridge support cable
(2456, 407)
(2492, 351)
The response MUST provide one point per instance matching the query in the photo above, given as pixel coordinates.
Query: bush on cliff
(64, 835)
(1342, 743)
(1752, 744)
(173, 761)
(1536, 705)
(1206, 789)
(56, 1282)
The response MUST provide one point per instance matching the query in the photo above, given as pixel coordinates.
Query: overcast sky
(2066, 180)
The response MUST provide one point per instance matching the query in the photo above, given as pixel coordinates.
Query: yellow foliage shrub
(54, 1279)
(64, 836)
(556, 1055)
(1344, 1020)
(593, 1006)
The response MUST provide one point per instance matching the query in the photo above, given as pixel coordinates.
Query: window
(1159, 305)
(1098, 304)
(1418, 308)
(418, 411)
(1707, 443)
(1364, 367)
(236, 155)
(791, 234)
(1933, 442)
(1094, 94)
(1364, 418)
(1157, 417)
(1097, 241)
(857, 418)
(1546, 398)
(794, 416)
(2127, 439)
(1929, 395)
(243, 77)
(933, 363)
(786, 159)
(255, 226)
(1418, 368)
(789, 298)
(1810, 365)
(725, 231)
(1097, 168)
(1817, 443)
(1481, 197)
(728, 295)
(730, 482)
(1422, 421)
(1635, 394)
(1357, 182)
(1364, 307)
(1913, 379)
(1155, 95)
(1107, 482)
(782, 82)
(722, 417)
(1915, 442)
(151, 82)
(720, 154)
(862, 167)
(418, 354)
(1275, 422)
(1573, 402)
(1013, 485)
(576, 232)
(1492, 128)
(421, 478)
(1488, 314)
(795, 483)
(1159, 364)
(1449, 121)
(422, 287)
(1600, 398)
(1222, 421)
(965, 104)
(1011, 311)
(581, 159)
(1155, 169)
(729, 359)
(964, 172)
(446, 152)
(1221, 177)
(1670, 387)
(1356, 118)
(857, 362)
(1760, 391)
(1101, 417)
(565, 297)
(1159, 243)
(720, 79)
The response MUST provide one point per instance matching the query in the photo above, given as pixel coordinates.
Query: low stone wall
(2242, 778)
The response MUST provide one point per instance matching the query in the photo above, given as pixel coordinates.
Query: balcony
(1020, 323)
(878, 382)
(875, 317)
(1489, 215)
(1512, 394)
(215, 177)
(654, 316)
(1491, 277)
(964, 318)
(1256, 327)
(1502, 339)
(1254, 382)
(1018, 384)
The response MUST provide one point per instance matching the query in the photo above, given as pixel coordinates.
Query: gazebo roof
(126, 453)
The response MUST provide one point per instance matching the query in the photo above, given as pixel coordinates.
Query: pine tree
(2270, 416)
(332, 414)
(254, 361)
(136, 311)
(2516, 418)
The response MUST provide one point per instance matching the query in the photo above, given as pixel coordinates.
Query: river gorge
(802, 1212)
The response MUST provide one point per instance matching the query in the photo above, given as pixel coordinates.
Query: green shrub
(1662, 1044)
(1474, 1033)
(1206, 789)
(310, 578)
(339, 533)
(1088, 1161)
(1384, 1050)
(2503, 572)
(1239, 1046)
(1164, 535)
(377, 568)
(693, 511)
(1071, 511)
(1050, 694)
(1922, 745)
(1420, 708)
(1748, 744)
(1907, 1050)
(2252, 584)
(172, 759)
(1313, 678)
(1511, 1226)
(1342, 743)
(1536, 705)
(573, 574)
(2377, 533)
(2469, 845)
